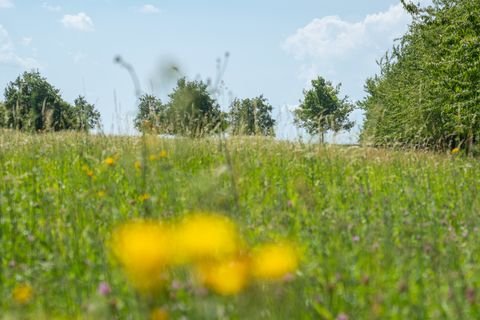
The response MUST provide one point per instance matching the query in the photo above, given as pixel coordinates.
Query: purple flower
(104, 289)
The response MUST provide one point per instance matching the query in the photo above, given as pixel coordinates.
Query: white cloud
(79, 21)
(330, 36)
(8, 56)
(346, 51)
(51, 8)
(6, 4)
(149, 9)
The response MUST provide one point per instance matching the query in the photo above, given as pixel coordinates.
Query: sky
(275, 47)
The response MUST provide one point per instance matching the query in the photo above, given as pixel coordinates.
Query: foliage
(3, 115)
(322, 109)
(192, 111)
(426, 94)
(252, 117)
(85, 116)
(151, 116)
(33, 104)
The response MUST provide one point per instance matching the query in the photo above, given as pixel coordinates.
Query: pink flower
(104, 289)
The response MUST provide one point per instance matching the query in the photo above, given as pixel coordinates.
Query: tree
(252, 117)
(3, 115)
(33, 104)
(151, 116)
(85, 115)
(322, 109)
(426, 93)
(191, 110)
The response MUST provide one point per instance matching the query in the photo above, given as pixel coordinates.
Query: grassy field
(383, 234)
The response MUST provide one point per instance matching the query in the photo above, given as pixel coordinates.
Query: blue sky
(276, 47)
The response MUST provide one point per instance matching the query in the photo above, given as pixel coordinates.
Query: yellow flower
(159, 314)
(109, 161)
(137, 165)
(22, 294)
(455, 150)
(144, 249)
(163, 154)
(274, 261)
(144, 197)
(226, 277)
(205, 236)
(101, 194)
(89, 173)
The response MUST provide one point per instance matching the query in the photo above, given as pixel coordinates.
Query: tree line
(32, 104)
(427, 93)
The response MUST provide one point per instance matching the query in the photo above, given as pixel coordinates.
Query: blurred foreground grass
(384, 234)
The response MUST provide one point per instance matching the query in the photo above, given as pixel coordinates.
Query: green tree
(192, 111)
(3, 115)
(426, 93)
(322, 109)
(33, 104)
(252, 117)
(85, 115)
(151, 115)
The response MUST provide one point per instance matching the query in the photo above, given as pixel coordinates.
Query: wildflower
(22, 294)
(109, 161)
(455, 150)
(144, 249)
(104, 289)
(144, 197)
(159, 314)
(137, 165)
(101, 194)
(163, 154)
(274, 261)
(89, 172)
(226, 277)
(204, 236)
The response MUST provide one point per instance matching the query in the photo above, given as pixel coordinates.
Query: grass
(384, 234)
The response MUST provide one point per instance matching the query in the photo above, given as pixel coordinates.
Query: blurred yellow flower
(137, 165)
(455, 150)
(89, 172)
(101, 194)
(159, 314)
(226, 277)
(22, 293)
(144, 249)
(205, 236)
(163, 154)
(144, 197)
(109, 161)
(274, 261)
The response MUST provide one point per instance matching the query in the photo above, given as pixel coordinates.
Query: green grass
(385, 235)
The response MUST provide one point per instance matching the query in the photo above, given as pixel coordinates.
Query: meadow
(383, 234)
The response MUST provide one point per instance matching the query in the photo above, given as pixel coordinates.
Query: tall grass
(384, 234)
